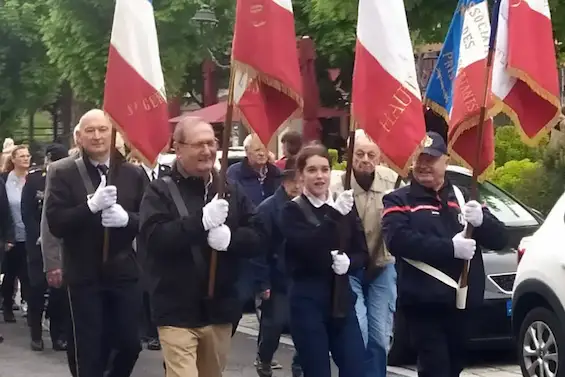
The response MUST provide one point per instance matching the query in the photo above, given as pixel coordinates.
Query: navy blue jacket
(243, 174)
(308, 246)
(271, 271)
(419, 224)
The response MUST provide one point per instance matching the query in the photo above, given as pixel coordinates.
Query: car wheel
(540, 341)
(401, 351)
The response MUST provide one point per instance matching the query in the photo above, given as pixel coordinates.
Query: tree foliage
(27, 80)
(77, 33)
(509, 146)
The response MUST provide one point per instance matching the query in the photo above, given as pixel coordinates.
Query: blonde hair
(9, 163)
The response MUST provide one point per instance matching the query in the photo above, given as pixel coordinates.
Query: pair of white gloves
(464, 248)
(343, 204)
(105, 199)
(214, 215)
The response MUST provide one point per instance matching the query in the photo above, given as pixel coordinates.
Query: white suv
(538, 300)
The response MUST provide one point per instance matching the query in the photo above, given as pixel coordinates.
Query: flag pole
(226, 134)
(474, 195)
(109, 181)
(344, 234)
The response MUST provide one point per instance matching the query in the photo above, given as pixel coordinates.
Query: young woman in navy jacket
(312, 224)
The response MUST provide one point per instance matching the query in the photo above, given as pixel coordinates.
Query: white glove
(341, 262)
(219, 238)
(344, 202)
(473, 213)
(463, 248)
(115, 217)
(215, 213)
(104, 197)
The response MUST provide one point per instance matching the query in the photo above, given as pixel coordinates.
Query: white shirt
(317, 202)
(96, 164)
(150, 172)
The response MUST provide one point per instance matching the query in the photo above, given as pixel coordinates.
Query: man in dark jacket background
(272, 273)
(33, 195)
(259, 179)
(195, 329)
(148, 329)
(423, 227)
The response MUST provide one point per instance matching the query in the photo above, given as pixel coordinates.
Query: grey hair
(76, 130)
(179, 132)
(247, 141)
(360, 133)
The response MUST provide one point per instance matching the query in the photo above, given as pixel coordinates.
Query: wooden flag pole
(344, 233)
(109, 181)
(226, 134)
(474, 195)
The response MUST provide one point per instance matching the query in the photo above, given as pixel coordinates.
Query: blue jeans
(375, 307)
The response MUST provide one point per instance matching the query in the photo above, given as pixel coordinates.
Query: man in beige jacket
(376, 287)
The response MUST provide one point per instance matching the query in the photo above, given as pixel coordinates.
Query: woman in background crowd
(14, 265)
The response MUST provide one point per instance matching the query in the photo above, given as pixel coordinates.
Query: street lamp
(205, 17)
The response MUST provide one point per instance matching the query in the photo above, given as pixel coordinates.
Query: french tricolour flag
(525, 77)
(134, 93)
(456, 88)
(386, 99)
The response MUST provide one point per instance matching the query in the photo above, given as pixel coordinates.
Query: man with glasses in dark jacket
(182, 220)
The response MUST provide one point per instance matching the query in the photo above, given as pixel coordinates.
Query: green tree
(332, 24)
(508, 147)
(27, 80)
(77, 33)
(527, 181)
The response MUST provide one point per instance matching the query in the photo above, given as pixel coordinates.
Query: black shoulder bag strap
(307, 211)
(84, 175)
(183, 212)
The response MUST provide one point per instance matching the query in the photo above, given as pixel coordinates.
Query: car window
(504, 207)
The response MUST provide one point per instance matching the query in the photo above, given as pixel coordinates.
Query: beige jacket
(370, 207)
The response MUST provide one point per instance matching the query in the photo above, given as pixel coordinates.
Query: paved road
(17, 360)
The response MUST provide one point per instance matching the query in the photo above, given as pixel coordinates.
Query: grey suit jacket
(51, 246)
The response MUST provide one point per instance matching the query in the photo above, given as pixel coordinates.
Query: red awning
(217, 113)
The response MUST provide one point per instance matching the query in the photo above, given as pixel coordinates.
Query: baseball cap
(434, 145)
(56, 151)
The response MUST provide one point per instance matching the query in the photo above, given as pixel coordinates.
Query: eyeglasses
(200, 145)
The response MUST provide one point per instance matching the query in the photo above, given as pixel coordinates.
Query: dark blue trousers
(315, 333)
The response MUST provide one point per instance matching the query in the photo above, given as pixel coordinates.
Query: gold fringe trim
(463, 126)
(400, 170)
(524, 77)
(529, 141)
(438, 109)
(469, 123)
(247, 124)
(141, 157)
(269, 80)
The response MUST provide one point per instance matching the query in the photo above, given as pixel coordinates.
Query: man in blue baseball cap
(424, 228)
